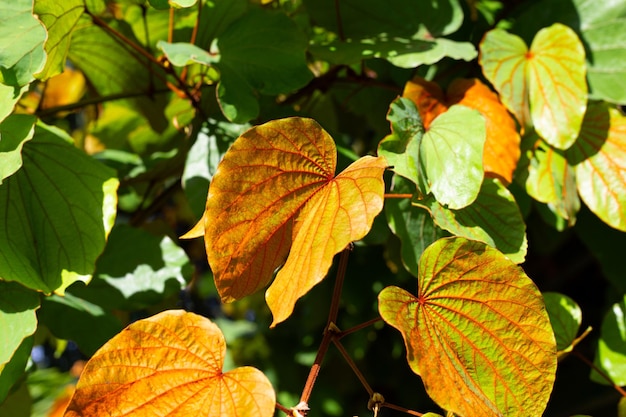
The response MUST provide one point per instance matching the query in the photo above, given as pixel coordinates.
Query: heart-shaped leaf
(477, 331)
(599, 158)
(611, 352)
(274, 194)
(169, 364)
(550, 76)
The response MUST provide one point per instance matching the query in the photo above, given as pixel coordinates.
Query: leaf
(18, 404)
(565, 317)
(599, 158)
(275, 194)
(169, 364)
(428, 98)
(261, 52)
(159, 269)
(413, 225)
(13, 370)
(22, 49)
(477, 331)
(9, 96)
(60, 19)
(610, 354)
(493, 218)
(15, 130)
(56, 216)
(451, 153)
(17, 317)
(183, 53)
(550, 77)
(401, 147)
(502, 144)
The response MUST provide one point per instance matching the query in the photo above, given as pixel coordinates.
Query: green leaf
(413, 225)
(60, 19)
(565, 317)
(159, 269)
(549, 178)
(493, 218)
(17, 317)
(182, 53)
(9, 96)
(452, 155)
(13, 370)
(599, 158)
(261, 52)
(73, 318)
(550, 78)
(477, 331)
(611, 352)
(216, 16)
(56, 215)
(14, 132)
(21, 42)
(401, 147)
(18, 404)
(166, 4)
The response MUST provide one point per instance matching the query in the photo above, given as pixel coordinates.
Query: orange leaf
(169, 365)
(267, 193)
(502, 147)
(501, 151)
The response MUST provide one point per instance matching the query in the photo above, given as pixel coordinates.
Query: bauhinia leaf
(169, 364)
(599, 158)
(611, 351)
(274, 194)
(565, 317)
(550, 77)
(15, 130)
(477, 331)
(494, 218)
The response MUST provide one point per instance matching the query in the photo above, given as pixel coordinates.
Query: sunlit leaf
(9, 96)
(56, 215)
(476, 332)
(565, 317)
(611, 352)
(15, 130)
(169, 364)
(17, 317)
(493, 218)
(599, 158)
(276, 187)
(60, 19)
(428, 98)
(63, 89)
(21, 42)
(550, 77)
(452, 152)
(183, 53)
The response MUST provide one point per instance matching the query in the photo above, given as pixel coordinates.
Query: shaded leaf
(169, 364)
(565, 317)
(18, 404)
(159, 269)
(21, 41)
(550, 78)
(493, 218)
(272, 190)
(477, 331)
(13, 370)
(599, 158)
(451, 153)
(261, 52)
(17, 317)
(15, 130)
(60, 19)
(611, 351)
(56, 215)
(413, 225)
(9, 96)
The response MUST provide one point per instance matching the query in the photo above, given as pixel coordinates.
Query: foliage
(457, 167)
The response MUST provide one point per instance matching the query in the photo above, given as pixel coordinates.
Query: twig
(402, 409)
(355, 369)
(358, 327)
(600, 372)
(398, 195)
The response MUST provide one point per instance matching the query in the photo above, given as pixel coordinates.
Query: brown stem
(355, 369)
(329, 332)
(358, 327)
(398, 195)
(284, 409)
(170, 26)
(599, 371)
(402, 409)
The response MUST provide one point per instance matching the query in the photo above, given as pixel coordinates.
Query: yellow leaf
(169, 365)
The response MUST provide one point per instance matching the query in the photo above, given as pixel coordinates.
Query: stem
(600, 371)
(398, 195)
(283, 409)
(358, 327)
(398, 408)
(329, 332)
(355, 369)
